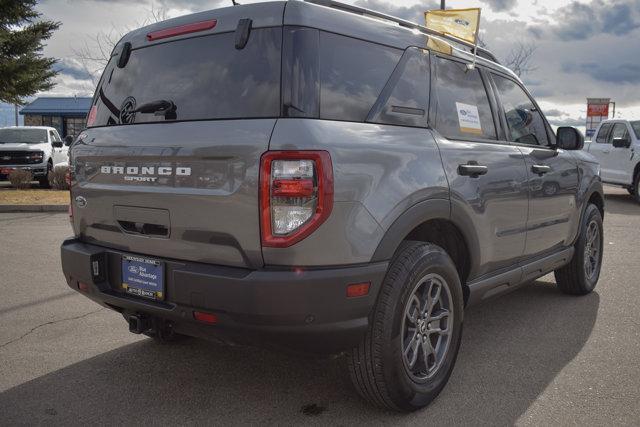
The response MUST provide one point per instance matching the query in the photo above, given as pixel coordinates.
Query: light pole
(442, 4)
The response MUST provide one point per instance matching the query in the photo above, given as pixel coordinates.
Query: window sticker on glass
(469, 118)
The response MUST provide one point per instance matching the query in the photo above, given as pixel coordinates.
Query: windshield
(636, 128)
(27, 136)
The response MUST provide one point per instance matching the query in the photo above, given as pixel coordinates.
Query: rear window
(201, 78)
(463, 108)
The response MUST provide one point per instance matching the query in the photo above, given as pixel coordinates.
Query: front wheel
(580, 276)
(43, 181)
(409, 351)
(636, 188)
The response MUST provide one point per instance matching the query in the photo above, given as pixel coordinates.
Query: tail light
(91, 117)
(296, 195)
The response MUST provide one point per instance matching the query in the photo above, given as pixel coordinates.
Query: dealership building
(68, 115)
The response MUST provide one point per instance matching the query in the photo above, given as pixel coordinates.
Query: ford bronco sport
(326, 178)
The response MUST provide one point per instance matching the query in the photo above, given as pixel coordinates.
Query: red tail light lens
(91, 118)
(182, 29)
(296, 195)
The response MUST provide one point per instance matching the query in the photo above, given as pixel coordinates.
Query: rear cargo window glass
(352, 75)
(463, 109)
(405, 98)
(197, 78)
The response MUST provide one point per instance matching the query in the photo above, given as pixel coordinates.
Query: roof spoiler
(482, 52)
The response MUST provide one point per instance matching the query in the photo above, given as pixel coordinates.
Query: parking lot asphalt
(533, 357)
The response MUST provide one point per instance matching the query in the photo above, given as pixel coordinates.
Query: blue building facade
(67, 115)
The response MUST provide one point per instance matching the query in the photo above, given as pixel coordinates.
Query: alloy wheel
(427, 327)
(592, 250)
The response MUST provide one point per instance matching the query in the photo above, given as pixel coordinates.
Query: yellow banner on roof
(459, 23)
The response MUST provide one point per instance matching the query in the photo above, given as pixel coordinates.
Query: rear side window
(603, 132)
(463, 109)
(525, 121)
(203, 77)
(405, 98)
(352, 76)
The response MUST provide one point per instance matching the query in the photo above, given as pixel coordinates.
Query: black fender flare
(417, 214)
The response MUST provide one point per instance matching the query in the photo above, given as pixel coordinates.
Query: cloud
(581, 21)
(580, 121)
(621, 73)
(72, 67)
(413, 13)
(501, 5)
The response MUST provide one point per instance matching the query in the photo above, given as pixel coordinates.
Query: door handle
(472, 169)
(540, 169)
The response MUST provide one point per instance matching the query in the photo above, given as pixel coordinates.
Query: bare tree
(95, 52)
(520, 57)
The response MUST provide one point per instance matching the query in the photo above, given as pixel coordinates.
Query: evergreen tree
(23, 69)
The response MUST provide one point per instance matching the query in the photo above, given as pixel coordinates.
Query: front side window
(525, 121)
(463, 109)
(619, 131)
(603, 133)
(54, 136)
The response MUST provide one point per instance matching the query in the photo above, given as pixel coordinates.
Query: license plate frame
(143, 277)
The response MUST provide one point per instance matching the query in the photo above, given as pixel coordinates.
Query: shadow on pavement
(513, 347)
(621, 204)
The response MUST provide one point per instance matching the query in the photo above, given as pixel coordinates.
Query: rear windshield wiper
(161, 107)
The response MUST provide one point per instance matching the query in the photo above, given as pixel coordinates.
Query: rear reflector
(203, 317)
(358, 289)
(83, 287)
(182, 29)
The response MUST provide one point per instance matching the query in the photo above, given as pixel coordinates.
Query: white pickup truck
(616, 145)
(37, 149)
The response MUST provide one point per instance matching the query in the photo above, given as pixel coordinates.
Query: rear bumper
(303, 309)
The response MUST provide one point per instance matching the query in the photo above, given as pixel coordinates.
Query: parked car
(37, 149)
(312, 178)
(616, 146)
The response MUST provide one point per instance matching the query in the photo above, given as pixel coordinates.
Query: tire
(636, 188)
(43, 182)
(380, 366)
(580, 276)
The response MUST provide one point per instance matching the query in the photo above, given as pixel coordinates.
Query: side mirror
(622, 142)
(68, 140)
(570, 138)
(57, 144)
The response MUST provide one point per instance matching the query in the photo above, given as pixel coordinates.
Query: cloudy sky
(585, 48)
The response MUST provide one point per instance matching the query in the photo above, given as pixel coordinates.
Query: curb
(33, 208)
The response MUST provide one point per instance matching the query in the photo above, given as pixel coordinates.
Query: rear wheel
(580, 276)
(409, 352)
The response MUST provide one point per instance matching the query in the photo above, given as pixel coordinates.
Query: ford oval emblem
(81, 202)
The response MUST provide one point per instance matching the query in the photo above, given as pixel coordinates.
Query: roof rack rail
(403, 23)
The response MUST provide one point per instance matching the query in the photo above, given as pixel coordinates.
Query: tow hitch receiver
(138, 324)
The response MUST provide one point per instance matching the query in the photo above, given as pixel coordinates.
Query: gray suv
(325, 178)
